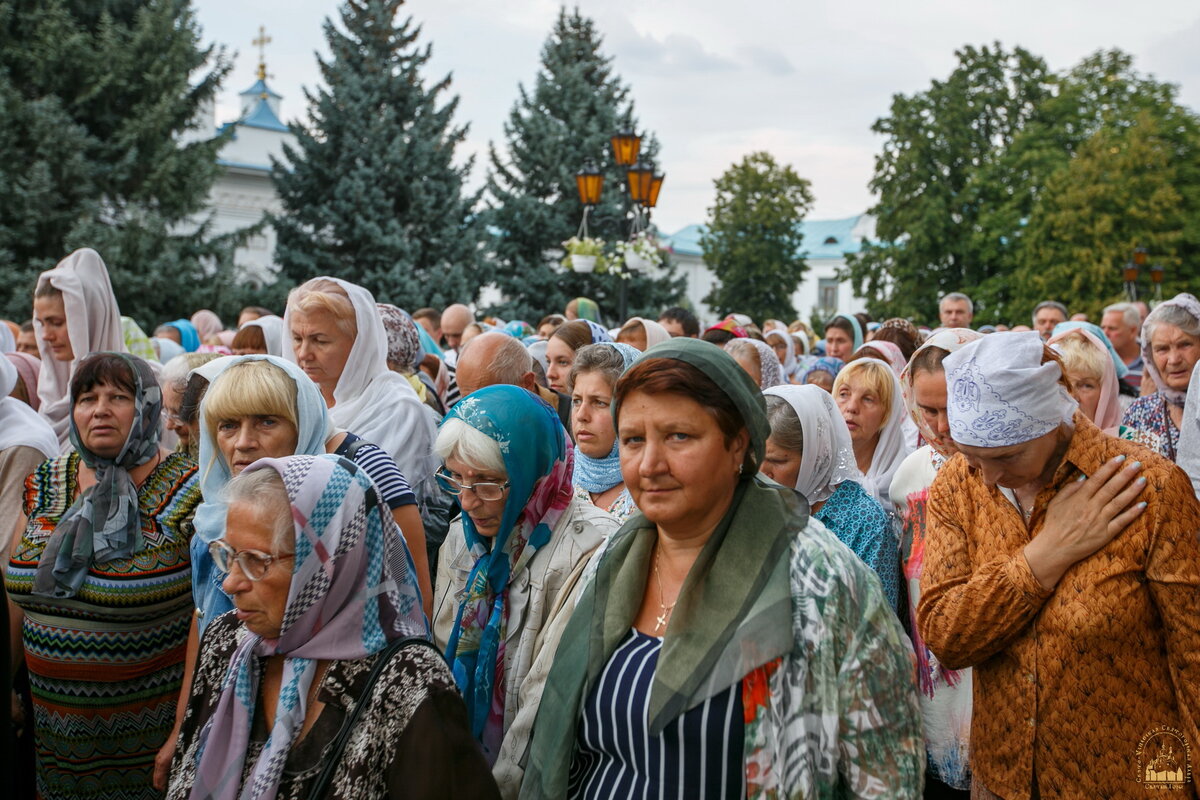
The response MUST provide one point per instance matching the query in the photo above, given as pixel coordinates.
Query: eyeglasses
(484, 491)
(253, 563)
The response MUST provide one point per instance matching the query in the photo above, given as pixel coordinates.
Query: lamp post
(1130, 273)
(642, 183)
(1156, 278)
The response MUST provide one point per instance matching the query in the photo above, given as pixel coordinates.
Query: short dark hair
(261, 311)
(428, 313)
(552, 319)
(718, 336)
(686, 319)
(27, 327)
(842, 324)
(656, 376)
(899, 337)
(103, 368)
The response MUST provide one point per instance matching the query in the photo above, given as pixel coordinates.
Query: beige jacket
(539, 602)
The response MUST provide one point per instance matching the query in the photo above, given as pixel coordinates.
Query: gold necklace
(665, 610)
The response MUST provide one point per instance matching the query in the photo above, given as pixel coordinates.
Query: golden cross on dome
(261, 41)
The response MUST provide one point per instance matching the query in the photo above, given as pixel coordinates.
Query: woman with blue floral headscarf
(514, 556)
(326, 595)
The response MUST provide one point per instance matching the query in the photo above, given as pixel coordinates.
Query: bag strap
(334, 757)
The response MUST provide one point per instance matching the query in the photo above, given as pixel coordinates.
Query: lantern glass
(655, 187)
(1131, 272)
(640, 176)
(626, 145)
(1156, 273)
(589, 182)
(1139, 256)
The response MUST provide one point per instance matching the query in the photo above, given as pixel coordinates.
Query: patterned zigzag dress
(105, 666)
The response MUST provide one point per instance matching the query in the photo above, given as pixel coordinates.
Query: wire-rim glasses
(253, 563)
(487, 491)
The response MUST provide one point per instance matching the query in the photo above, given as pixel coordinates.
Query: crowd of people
(352, 551)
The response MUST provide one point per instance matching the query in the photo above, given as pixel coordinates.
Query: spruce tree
(577, 103)
(371, 193)
(104, 145)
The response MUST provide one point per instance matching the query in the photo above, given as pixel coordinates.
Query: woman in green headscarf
(728, 645)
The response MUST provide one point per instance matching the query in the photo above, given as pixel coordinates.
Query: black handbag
(334, 756)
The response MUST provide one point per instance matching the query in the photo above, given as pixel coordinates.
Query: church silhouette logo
(1164, 759)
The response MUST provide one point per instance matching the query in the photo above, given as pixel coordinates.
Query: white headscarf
(8, 343)
(93, 325)
(272, 328)
(373, 402)
(1188, 454)
(20, 425)
(789, 362)
(655, 333)
(892, 448)
(828, 456)
(999, 393)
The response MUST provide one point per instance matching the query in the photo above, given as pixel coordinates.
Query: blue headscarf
(599, 334)
(312, 430)
(601, 474)
(189, 337)
(1099, 333)
(538, 458)
(427, 342)
(854, 323)
(824, 364)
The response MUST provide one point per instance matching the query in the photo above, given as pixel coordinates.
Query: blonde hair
(250, 389)
(1081, 356)
(878, 377)
(322, 294)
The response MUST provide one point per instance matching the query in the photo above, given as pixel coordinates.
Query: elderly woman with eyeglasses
(511, 562)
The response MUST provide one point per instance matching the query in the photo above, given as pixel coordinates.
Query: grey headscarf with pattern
(104, 523)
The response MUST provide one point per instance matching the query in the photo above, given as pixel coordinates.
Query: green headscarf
(734, 611)
(587, 309)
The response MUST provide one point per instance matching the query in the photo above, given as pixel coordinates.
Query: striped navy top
(381, 467)
(698, 756)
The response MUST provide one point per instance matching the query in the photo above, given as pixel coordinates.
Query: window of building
(827, 294)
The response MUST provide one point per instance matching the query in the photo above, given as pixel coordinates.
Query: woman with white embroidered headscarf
(335, 334)
(785, 350)
(868, 394)
(945, 693)
(810, 450)
(26, 440)
(74, 313)
(1075, 603)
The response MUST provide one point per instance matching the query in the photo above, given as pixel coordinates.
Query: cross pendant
(660, 621)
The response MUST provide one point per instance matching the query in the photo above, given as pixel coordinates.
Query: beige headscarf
(93, 324)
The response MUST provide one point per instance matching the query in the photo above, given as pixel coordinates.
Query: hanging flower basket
(636, 262)
(583, 254)
(581, 263)
(639, 254)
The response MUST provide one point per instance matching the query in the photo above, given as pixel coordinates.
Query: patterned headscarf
(29, 370)
(601, 474)
(353, 590)
(539, 460)
(104, 523)
(136, 340)
(519, 329)
(403, 340)
(587, 309)
(888, 352)
(730, 325)
(950, 340)
(769, 369)
(824, 364)
(599, 334)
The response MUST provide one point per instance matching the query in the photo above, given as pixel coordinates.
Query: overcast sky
(717, 80)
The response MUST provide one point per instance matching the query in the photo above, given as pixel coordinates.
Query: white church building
(826, 244)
